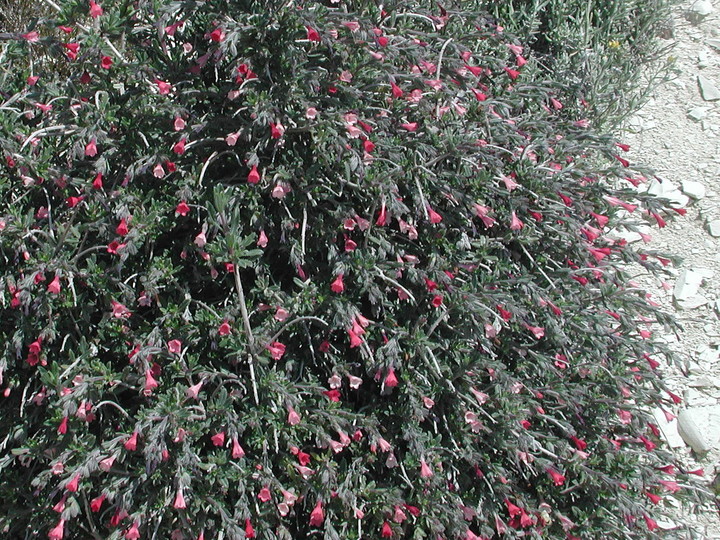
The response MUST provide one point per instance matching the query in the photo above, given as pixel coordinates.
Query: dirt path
(678, 133)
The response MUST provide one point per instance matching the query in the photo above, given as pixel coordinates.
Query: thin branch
(248, 333)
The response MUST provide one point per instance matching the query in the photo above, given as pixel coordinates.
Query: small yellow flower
(614, 44)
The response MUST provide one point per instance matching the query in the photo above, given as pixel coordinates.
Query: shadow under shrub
(289, 272)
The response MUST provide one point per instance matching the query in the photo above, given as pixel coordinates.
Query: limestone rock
(708, 90)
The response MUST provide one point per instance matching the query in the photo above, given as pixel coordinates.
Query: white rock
(693, 302)
(714, 43)
(696, 190)
(687, 284)
(708, 90)
(698, 113)
(690, 431)
(668, 429)
(669, 191)
(702, 7)
(714, 228)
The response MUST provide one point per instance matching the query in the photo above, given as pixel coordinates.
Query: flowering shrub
(283, 272)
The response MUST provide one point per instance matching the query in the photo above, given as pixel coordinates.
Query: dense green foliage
(285, 271)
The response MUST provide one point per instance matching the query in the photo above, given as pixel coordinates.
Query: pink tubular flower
(133, 533)
(337, 286)
(277, 130)
(194, 390)
(31, 37)
(312, 34)
(293, 417)
(54, 286)
(119, 311)
(96, 503)
(276, 349)
(179, 147)
(224, 329)
(91, 149)
(174, 346)
(163, 87)
(435, 218)
(131, 444)
(106, 62)
(425, 470)
(254, 176)
(237, 450)
(95, 9)
(264, 495)
(150, 383)
(62, 428)
(182, 209)
(179, 500)
(57, 532)
(557, 478)
(515, 223)
(72, 485)
(107, 463)
(391, 380)
(317, 516)
(217, 35)
(218, 439)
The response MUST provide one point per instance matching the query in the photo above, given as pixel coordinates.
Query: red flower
(122, 228)
(425, 470)
(91, 148)
(391, 380)
(58, 531)
(237, 450)
(249, 531)
(72, 485)
(182, 209)
(264, 494)
(179, 502)
(355, 340)
(217, 35)
(72, 50)
(435, 218)
(106, 62)
(133, 533)
(218, 439)
(557, 478)
(650, 522)
(95, 9)
(396, 90)
(317, 516)
(72, 202)
(437, 300)
(224, 329)
(382, 216)
(512, 73)
(96, 503)
(163, 87)
(150, 383)
(313, 36)
(333, 395)
(131, 444)
(253, 177)
(179, 147)
(174, 346)
(387, 531)
(54, 286)
(276, 130)
(337, 286)
(97, 182)
(506, 315)
(276, 349)
(579, 443)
